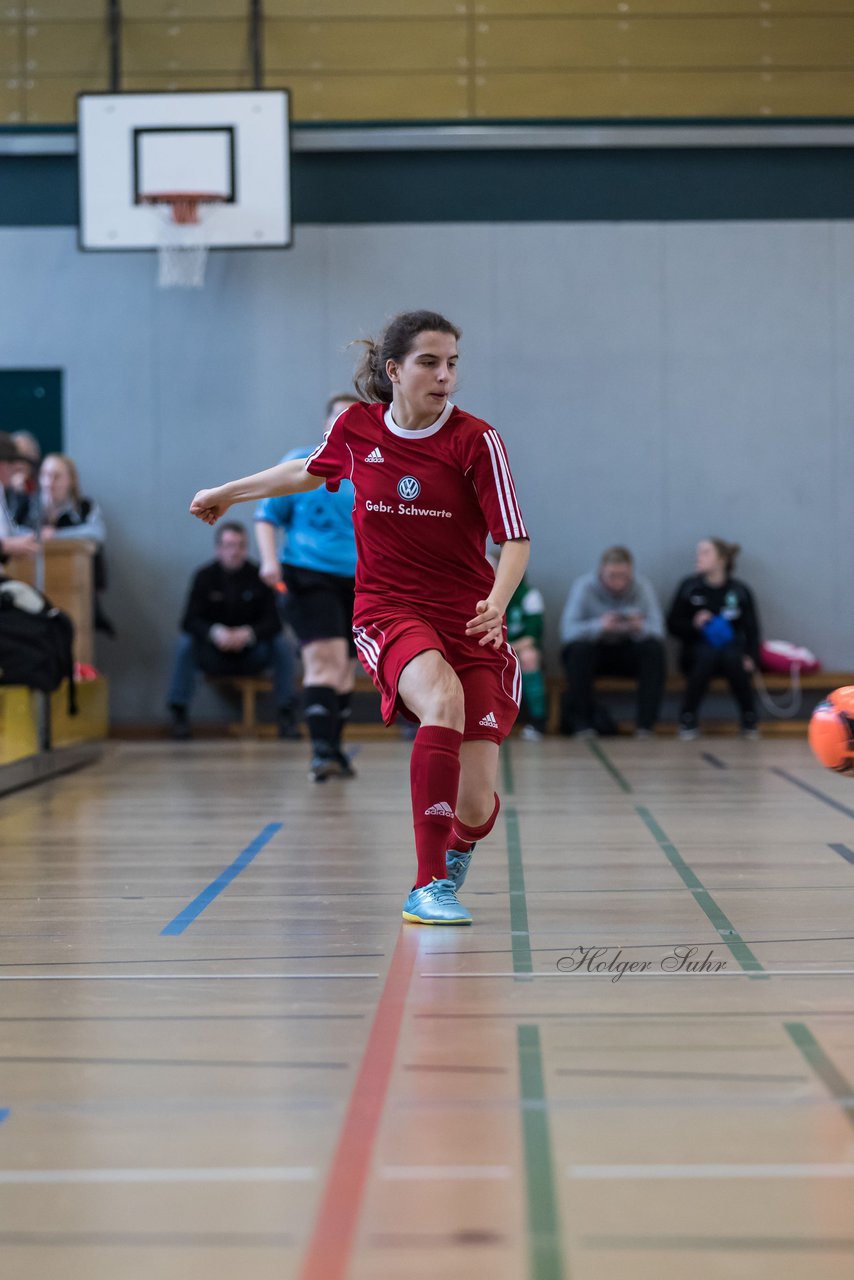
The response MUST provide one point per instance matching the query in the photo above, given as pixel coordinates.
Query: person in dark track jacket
(714, 616)
(231, 627)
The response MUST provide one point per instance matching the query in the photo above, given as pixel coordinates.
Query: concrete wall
(654, 384)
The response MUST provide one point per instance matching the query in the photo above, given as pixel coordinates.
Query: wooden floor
(223, 1057)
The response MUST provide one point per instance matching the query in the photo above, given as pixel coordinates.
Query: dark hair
(728, 552)
(616, 555)
(230, 526)
(333, 400)
(394, 343)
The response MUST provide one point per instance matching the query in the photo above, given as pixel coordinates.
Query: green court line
(828, 1073)
(729, 935)
(523, 962)
(545, 1250)
(608, 764)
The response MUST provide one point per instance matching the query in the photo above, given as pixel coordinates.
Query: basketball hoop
(181, 255)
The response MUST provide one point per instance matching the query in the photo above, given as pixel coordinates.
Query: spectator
(714, 615)
(61, 511)
(524, 619)
(14, 541)
(231, 628)
(612, 625)
(25, 484)
(317, 570)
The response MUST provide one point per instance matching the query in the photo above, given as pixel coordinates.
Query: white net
(182, 256)
(181, 266)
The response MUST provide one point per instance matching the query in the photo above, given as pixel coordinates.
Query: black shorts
(319, 606)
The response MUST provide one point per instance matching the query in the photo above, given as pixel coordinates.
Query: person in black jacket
(231, 628)
(714, 615)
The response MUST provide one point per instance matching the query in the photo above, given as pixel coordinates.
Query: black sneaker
(750, 727)
(689, 729)
(330, 764)
(179, 728)
(345, 768)
(321, 768)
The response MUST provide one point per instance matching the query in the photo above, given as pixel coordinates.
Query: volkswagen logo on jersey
(408, 488)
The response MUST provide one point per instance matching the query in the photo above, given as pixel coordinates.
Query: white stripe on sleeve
(510, 488)
(499, 486)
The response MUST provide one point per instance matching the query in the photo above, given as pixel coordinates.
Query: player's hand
(489, 620)
(749, 664)
(701, 618)
(208, 506)
(271, 573)
(221, 637)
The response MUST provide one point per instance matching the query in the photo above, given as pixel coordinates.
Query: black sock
(344, 713)
(320, 712)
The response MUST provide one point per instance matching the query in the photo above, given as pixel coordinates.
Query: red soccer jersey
(425, 502)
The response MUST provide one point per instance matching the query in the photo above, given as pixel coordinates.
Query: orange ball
(831, 731)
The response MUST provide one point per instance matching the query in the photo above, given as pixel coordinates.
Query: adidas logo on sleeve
(440, 810)
(375, 456)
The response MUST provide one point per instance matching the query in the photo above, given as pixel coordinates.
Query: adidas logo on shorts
(489, 721)
(375, 456)
(440, 810)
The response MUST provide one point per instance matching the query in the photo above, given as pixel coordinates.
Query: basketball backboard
(231, 147)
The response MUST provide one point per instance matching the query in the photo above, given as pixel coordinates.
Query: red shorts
(491, 678)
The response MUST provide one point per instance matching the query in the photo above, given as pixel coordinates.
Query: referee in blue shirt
(317, 568)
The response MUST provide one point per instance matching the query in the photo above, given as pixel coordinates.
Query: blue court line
(4, 1114)
(215, 888)
(843, 851)
(814, 791)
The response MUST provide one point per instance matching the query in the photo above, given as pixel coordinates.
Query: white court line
(445, 1172)
(171, 977)
(642, 977)
(679, 1171)
(264, 1173)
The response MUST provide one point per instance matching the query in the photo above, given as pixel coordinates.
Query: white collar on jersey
(425, 431)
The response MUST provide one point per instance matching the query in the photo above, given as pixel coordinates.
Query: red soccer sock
(463, 836)
(434, 772)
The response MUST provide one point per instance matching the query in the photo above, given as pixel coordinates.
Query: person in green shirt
(524, 619)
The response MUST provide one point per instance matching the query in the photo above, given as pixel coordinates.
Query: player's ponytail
(370, 379)
(728, 552)
(395, 343)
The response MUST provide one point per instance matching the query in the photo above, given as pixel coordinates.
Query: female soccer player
(431, 482)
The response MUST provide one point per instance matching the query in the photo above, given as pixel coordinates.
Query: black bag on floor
(36, 641)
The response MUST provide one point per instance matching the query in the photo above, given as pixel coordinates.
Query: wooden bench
(39, 740)
(817, 682)
(249, 687)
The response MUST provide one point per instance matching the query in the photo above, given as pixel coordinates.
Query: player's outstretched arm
(275, 482)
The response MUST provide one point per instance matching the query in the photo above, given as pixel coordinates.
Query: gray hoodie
(588, 600)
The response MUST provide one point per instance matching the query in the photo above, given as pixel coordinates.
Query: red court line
(331, 1244)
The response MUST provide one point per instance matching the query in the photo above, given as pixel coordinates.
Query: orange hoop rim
(185, 204)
